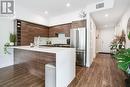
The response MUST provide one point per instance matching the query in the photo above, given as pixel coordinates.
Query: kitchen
(38, 36)
(28, 26)
(41, 45)
(55, 43)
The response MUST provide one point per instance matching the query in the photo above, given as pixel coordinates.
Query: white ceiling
(114, 13)
(58, 7)
(55, 7)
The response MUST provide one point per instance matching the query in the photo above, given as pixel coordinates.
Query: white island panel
(65, 68)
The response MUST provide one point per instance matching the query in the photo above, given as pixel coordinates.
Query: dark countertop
(57, 45)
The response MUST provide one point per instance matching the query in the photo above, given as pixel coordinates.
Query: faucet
(37, 41)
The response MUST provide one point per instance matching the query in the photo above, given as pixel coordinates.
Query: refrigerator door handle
(77, 39)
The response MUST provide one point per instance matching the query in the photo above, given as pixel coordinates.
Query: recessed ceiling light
(46, 12)
(106, 15)
(68, 5)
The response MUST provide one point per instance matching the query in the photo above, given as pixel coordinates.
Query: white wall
(97, 40)
(91, 40)
(106, 36)
(6, 26)
(122, 25)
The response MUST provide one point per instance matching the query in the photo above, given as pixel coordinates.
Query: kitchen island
(35, 59)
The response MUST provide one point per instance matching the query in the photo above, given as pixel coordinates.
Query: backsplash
(54, 40)
(57, 40)
(43, 40)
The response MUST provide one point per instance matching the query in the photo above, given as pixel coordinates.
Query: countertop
(43, 48)
(57, 45)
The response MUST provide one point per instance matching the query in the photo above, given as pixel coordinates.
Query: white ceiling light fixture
(45, 12)
(106, 15)
(68, 5)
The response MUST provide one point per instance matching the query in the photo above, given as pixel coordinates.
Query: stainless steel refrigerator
(78, 40)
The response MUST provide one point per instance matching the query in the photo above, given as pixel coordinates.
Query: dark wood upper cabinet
(26, 31)
(64, 28)
(78, 24)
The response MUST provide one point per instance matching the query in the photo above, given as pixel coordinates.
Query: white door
(105, 38)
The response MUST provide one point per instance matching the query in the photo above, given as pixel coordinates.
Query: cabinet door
(52, 32)
(25, 34)
(31, 30)
(79, 24)
(64, 28)
(67, 28)
(41, 31)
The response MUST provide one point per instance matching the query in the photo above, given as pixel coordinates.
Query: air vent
(100, 5)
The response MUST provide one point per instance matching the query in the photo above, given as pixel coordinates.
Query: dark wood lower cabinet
(34, 61)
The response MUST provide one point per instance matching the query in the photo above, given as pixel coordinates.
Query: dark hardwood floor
(19, 76)
(102, 73)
